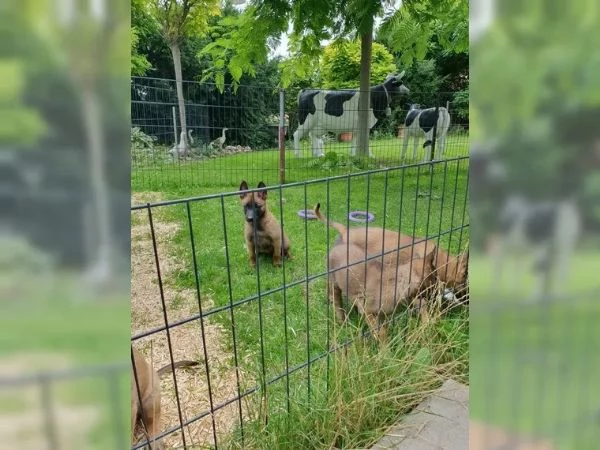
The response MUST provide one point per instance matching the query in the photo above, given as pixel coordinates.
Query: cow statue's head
(393, 84)
(395, 88)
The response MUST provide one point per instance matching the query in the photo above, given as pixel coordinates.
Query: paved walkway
(440, 422)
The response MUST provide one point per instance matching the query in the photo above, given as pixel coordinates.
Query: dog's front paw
(341, 316)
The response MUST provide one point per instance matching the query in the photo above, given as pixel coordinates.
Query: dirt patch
(187, 340)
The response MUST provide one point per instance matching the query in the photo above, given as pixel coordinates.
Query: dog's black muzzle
(252, 213)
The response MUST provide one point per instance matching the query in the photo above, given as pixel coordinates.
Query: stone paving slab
(440, 422)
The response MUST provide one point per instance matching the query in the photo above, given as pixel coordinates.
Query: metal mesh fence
(236, 134)
(266, 339)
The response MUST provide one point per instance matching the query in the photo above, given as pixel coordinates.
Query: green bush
(141, 141)
(460, 106)
(340, 65)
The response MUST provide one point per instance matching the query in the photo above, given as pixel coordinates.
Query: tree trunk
(176, 53)
(100, 269)
(364, 101)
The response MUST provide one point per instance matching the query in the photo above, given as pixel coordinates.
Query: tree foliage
(19, 124)
(262, 24)
(139, 62)
(409, 31)
(209, 109)
(179, 19)
(535, 96)
(340, 64)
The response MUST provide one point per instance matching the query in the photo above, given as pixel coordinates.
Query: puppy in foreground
(262, 231)
(451, 270)
(376, 288)
(145, 397)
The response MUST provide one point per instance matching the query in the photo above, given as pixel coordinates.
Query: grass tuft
(361, 391)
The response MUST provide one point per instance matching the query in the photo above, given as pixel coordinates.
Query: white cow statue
(337, 111)
(420, 121)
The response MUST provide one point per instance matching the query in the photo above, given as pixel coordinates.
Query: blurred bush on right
(535, 186)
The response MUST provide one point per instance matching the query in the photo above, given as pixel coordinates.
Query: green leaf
(209, 48)
(235, 71)
(220, 81)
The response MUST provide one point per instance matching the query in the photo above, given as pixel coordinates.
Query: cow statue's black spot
(380, 101)
(541, 222)
(427, 119)
(334, 102)
(306, 104)
(411, 116)
(538, 221)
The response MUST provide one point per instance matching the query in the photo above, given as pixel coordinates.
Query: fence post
(175, 125)
(281, 136)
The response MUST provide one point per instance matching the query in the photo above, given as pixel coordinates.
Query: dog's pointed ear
(262, 194)
(431, 257)
(243, 188)
(466, 258)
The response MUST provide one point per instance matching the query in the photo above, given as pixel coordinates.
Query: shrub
(340, 65)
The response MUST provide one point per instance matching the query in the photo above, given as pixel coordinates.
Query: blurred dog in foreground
(145, 397)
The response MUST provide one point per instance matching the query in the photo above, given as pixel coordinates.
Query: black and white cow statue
(337, 111)
(547, 231)
(419, 121)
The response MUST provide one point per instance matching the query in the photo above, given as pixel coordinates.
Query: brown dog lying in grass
(375, 287)
(147, 413)
(450, 270)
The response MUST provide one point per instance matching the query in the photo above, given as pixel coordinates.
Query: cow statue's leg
(320, 147)
(415, 145)
(353, 145)
(442, 146)
(404, 144)
(317, 143)
(302, 130)
(298, 134)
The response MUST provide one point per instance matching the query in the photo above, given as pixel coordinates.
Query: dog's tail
(338, 226)
(169, 368)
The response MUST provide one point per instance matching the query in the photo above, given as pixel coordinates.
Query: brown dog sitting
(262, 231)
(376, 287)
(451, 270)
(145, 397)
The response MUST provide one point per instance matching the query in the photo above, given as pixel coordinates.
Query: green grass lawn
(163, 174)
(282, 330)
(534, 368)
